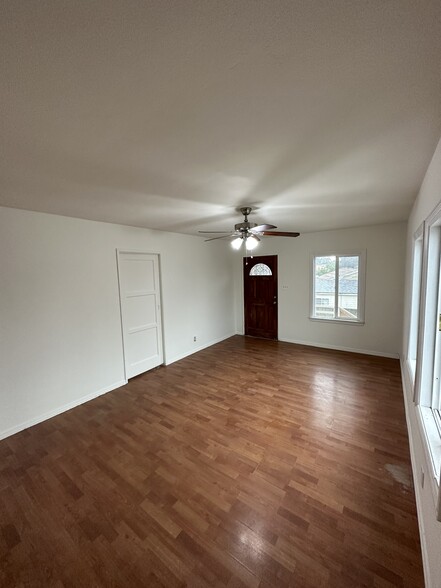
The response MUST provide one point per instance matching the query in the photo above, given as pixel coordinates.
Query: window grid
(261, 269)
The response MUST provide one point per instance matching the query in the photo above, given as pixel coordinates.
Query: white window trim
(425, 356)
(338, 321)
(413, 367)
(432, 447)
(361, 253)
(425, 347)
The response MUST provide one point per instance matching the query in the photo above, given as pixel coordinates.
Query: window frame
(361, 294)
(428, 310)
(418, 293)
(426, 368)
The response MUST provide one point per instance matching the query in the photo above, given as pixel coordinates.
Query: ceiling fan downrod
(245, 211)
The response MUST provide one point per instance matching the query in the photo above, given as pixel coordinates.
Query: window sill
(336, 321)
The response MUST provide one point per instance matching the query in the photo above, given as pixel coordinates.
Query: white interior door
(140, 296)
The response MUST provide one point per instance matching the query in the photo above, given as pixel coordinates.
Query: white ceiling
(171, 114)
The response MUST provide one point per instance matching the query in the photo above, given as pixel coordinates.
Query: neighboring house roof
(327, 286)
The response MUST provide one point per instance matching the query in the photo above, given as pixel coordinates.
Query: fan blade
(213, 232)
(222, 237)
(279, 234)
(261, 228)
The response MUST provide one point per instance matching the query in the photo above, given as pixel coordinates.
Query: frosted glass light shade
(252, 243)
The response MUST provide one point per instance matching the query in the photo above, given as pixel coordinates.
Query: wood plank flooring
(251, 463)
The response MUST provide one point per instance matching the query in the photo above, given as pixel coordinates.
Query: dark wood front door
(260, 296)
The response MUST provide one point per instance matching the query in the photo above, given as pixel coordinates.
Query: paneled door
(260, 296)
(140, 296)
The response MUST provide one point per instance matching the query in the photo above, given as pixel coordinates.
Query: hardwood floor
(251, 463)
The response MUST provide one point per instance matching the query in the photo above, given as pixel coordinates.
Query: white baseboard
(408, 393)
(60, 409)
(196, 349)
(341, 348)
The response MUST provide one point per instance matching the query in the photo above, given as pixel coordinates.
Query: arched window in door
(260, 269)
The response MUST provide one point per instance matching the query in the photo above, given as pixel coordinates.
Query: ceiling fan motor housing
(246, 226)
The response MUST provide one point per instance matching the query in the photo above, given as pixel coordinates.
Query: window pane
(348, 287)
(324, 286)
(429, 363)
(436, 393)
(260, 269)
(337, 280)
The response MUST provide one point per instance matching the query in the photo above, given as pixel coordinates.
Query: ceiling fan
(249, 233)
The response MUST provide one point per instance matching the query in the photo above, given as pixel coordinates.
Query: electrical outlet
(194, 338)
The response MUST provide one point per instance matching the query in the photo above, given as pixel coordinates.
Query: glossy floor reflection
(251, 463)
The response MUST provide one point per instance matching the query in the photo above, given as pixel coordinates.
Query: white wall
(382, 331)
(60, 330)
(430, 529)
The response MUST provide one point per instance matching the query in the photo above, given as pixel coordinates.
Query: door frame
(120, 251)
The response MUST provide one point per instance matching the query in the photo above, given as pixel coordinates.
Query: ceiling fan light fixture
(249, 233)
(251, 242)
(236, 243)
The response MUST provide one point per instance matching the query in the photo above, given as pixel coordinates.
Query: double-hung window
(428, 356)
(338, 285)
(424, 350)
